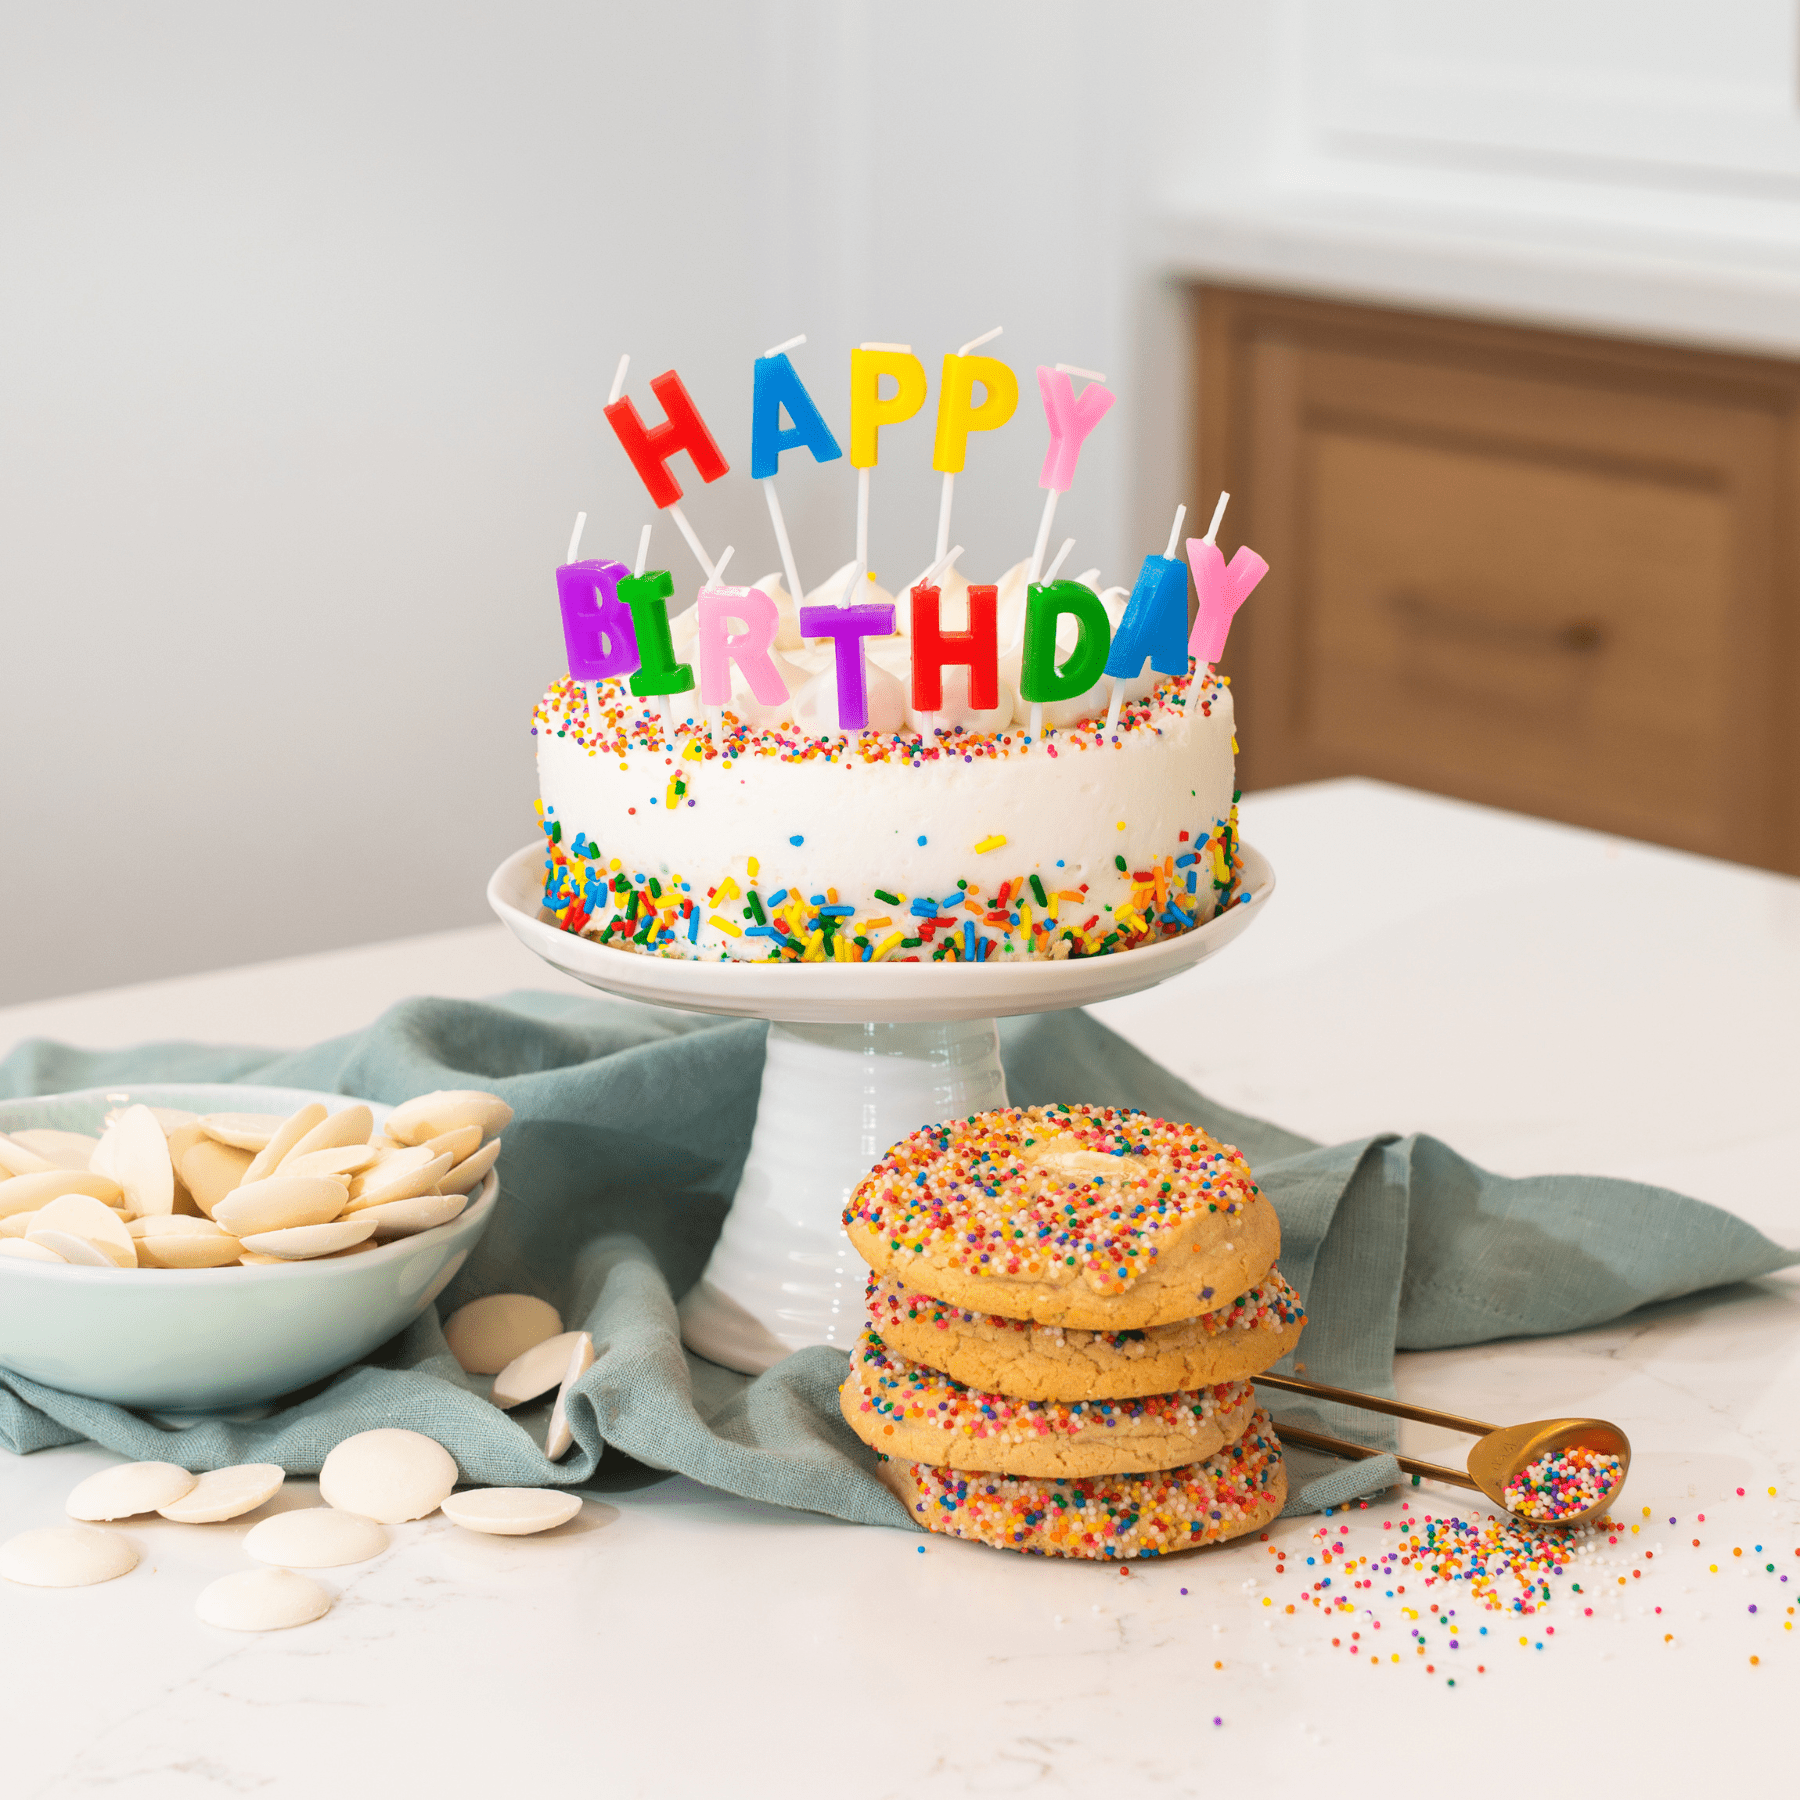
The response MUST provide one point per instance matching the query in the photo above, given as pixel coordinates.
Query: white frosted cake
(767, 833)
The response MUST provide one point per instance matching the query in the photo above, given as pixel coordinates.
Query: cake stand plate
(858, 1056)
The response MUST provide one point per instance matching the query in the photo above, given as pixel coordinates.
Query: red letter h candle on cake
(976, 649)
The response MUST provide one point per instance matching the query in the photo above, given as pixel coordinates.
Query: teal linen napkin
(629, 1134)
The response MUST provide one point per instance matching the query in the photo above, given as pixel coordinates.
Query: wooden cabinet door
(1548, 573)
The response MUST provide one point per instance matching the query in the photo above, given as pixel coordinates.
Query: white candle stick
(788, 566)
(1198, 680)
(1175, 532)
(575, 537)
(1085, 374)
(1043, 537)
(718, 568)
(862, 523)
(1062, 556)
(673, 509)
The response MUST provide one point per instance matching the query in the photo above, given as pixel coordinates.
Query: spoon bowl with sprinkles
(1547, 1472)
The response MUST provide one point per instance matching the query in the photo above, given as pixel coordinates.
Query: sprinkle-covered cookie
(1105, 1517)
(1056, 1362)
(1088, 1216)
(909, 1411)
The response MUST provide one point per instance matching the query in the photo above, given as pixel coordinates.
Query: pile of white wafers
(369, 1481)
(162, 1189)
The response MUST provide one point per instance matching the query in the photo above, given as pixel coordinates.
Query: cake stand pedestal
(858, 1056)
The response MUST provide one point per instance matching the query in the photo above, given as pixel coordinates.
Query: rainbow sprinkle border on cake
(1019, 917)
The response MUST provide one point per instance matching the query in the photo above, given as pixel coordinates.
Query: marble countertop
(1540, 996)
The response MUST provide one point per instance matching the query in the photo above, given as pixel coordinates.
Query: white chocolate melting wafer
(168, 1250)
(535, 1372)
(226, 1493)
(398, 1177)
(558, 1438)
(280, 1202)
(511, 1512)
(82, 1216)
(134, 1151)
(466, 1175)
(128, 1489)
(405, 1218)
(242, 1131)
(173, 1225)
(15, 1159)
(27, 1250)
(431, 1115)
(26, 1193)
(212, 1170)
(66, 1556)
(68, 1247)
(61, 1149)
(350, 1159)
(348, 1126)
(488, 1333)
(287, 1136)
(15, 1225)
(261, 1600)
(315, 1537)
(458, 1145)
(300, 1243)
(388, 1474)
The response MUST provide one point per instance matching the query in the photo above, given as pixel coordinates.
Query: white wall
(307, 314)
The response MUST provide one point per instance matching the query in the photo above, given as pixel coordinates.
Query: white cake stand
(858, 1056)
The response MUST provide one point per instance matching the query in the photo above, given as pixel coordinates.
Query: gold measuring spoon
(1501, 1452)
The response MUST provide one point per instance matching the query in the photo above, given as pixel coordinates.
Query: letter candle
(1152, 628)
(717, 646)
(1220, 589)
(1039, 677)
(777, 385)
(925, 580)
(1070, 420)
(958, 415)
(868, 413)
(651, 447)
(847, 626)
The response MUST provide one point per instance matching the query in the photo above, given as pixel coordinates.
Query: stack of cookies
(1066, 1307)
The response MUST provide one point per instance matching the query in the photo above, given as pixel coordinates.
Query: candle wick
(1175, 533)
(1050, 573)
(792, 343)
(718, 568)
(618, 386)
(1085, 374)
(575, 537)
(1218, 519)
(643, 550)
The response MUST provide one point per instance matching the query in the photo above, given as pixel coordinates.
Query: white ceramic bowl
(200, 1340)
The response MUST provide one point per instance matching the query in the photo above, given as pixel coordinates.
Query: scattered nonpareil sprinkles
(1563, 1484)
(1049, 1192)
(1454, 1595)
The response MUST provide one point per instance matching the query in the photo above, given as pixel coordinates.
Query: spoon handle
(1318, 1440)
(1370, 1402)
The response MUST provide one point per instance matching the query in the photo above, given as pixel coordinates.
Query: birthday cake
(1023, 769)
